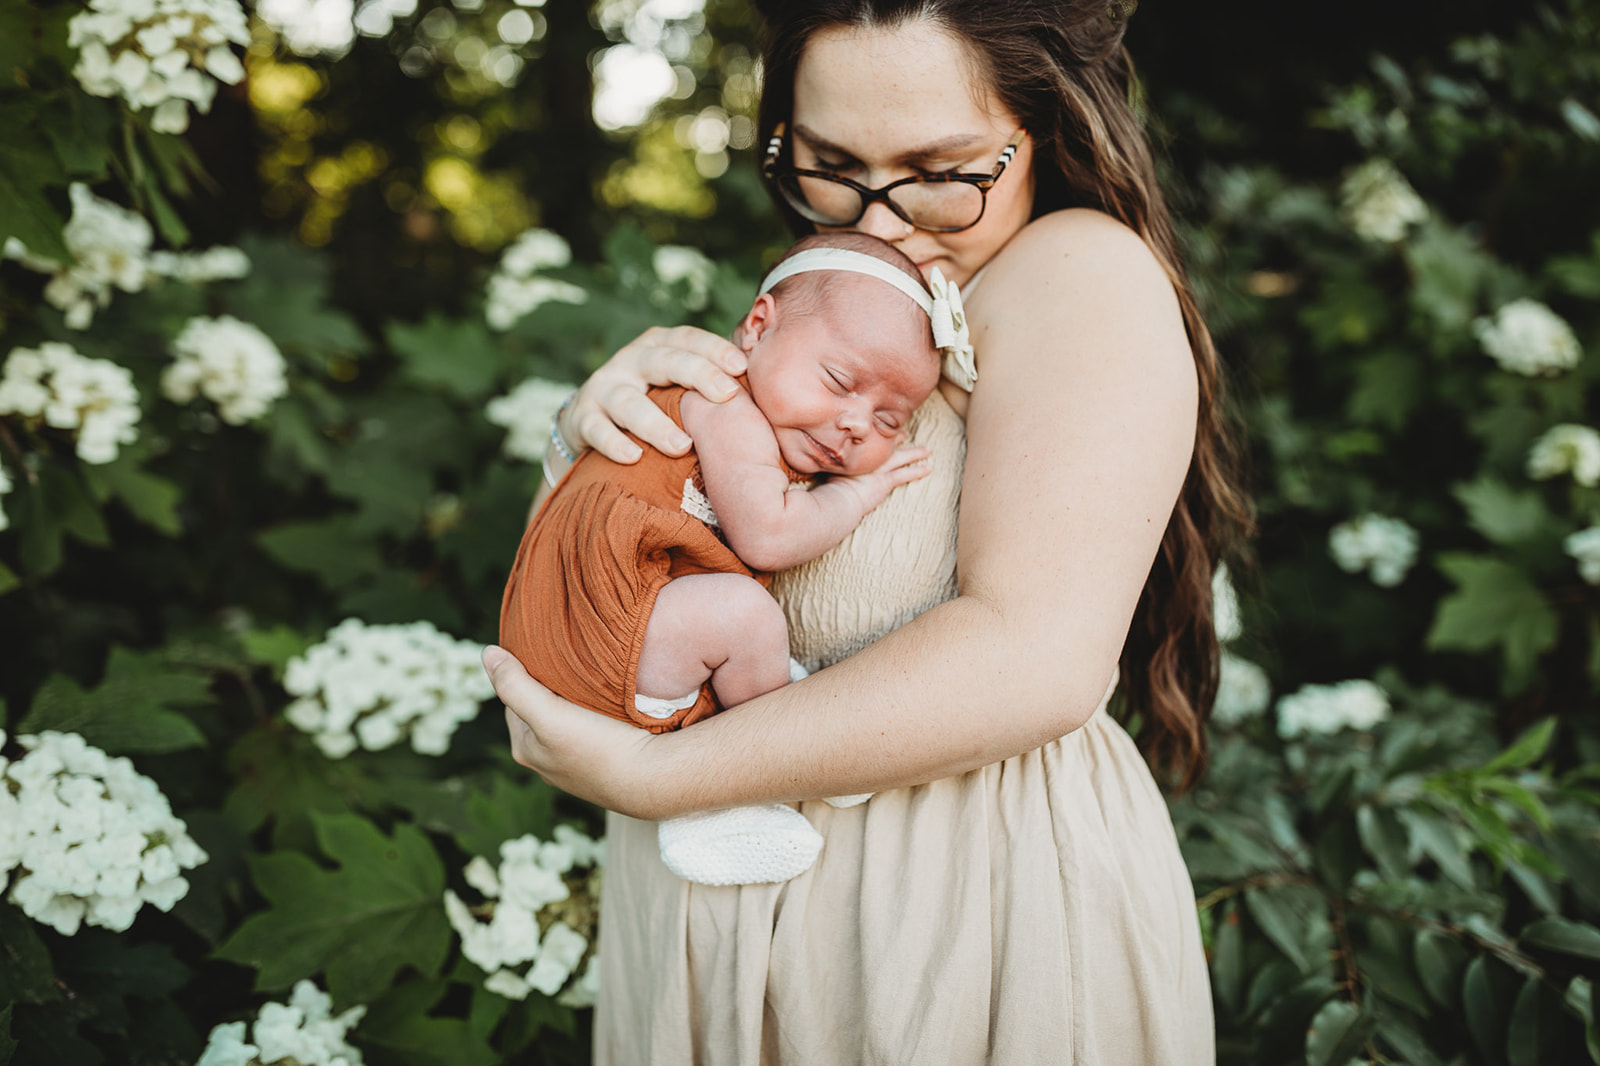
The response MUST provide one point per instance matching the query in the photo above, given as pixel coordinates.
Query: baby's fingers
(904, 457)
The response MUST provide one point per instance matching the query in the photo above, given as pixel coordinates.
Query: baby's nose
(854, 419)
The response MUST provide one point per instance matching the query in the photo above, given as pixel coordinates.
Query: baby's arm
(766, 525)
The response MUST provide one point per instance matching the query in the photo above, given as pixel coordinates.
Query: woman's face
(875, 105)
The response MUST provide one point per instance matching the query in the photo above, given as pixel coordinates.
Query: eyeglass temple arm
(774, 146)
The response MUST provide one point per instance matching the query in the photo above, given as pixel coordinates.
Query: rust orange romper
(591, 564)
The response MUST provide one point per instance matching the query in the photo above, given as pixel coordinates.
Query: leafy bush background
(1423, 892)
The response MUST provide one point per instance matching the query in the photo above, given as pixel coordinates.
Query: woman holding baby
(1013, 892)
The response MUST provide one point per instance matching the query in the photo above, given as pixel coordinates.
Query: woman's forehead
(892, 89)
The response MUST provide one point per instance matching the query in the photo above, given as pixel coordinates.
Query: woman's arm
(1079, 439)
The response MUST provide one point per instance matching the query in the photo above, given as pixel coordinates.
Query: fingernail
(632, 454)
(727, 386)
(679, 443)
(493, 656)
(738, 363)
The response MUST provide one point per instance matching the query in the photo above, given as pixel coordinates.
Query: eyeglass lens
(927, 205)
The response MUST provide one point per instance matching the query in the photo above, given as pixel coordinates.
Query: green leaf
(284, 297)
(1580, 1000)
(131, 710)
(1502, 514)
(1522, 1034)
(1385, 838)
(274, 647)
(381, 910)
(506, 812)
(1564, 935)
(1227, 959)
(1450, 268)
(27, 168)
(1336, 1034)
(399, 1024)
(456, 355)
(8, 1046)
(1485, 1017)
(1295, 918)
(26, 974)
(1526, 750)
(45, 512)
(1440, 959)
(282, 778)
(1494, 604)
(152, 500)
(8, 579)
(328, 548)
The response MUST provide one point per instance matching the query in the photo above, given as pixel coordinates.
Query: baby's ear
(761, 317)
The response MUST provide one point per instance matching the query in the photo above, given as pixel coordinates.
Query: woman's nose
(883, 223)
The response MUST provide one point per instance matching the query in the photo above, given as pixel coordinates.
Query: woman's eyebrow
(944, 146)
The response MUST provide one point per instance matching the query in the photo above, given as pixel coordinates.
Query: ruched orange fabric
(590, 566)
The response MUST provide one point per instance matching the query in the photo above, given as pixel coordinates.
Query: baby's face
(839, 385)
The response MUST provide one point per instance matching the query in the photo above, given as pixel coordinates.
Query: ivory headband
(943, 307)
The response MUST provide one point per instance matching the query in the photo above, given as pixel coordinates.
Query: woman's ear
(761, 317)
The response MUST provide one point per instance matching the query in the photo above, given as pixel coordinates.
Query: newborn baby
(641, 591)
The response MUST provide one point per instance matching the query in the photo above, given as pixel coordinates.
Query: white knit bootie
(739, 845)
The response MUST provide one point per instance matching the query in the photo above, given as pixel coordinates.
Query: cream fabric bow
(950, 332)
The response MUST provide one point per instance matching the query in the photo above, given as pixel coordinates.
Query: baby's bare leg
(722, 626)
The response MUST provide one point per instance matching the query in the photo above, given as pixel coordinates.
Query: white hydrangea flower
(535, 250)
(1243, 691)
(110, 246)
(1326, 709)
(675, 262)
(89, 837)
(1379, 204)
(1526, 337)
(1225, 605)
(517, 289)
(304, 1031)
(5, 487)
(94, 398)
(527, 412)
(538, 922)
(1584, 546)
(230, 362)
(1563, 448)
(161, 54)
(221, 263)
(373, 686)
(1385, 547)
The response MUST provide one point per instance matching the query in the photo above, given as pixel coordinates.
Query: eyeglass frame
(982, 182)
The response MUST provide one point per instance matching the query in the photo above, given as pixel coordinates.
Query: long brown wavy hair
(1069, 81)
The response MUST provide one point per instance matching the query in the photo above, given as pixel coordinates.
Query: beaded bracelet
(556, 438)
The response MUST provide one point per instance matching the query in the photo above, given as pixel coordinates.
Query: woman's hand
(589, 755)
(613, 399)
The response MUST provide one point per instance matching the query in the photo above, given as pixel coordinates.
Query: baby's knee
(751, 616)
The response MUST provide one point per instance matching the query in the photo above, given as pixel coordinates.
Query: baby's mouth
(827, 454)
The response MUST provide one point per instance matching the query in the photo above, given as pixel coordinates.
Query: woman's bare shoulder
(1078, 243)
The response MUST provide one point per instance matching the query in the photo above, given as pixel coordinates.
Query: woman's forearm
(955, 689)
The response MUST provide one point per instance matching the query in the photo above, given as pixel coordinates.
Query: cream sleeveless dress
(1034, 911)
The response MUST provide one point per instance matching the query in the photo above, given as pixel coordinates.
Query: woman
(1013, 893)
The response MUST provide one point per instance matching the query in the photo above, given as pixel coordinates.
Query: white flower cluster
(304, 1031)
(1243, 691)
(93, 397)
(1225, 605)
(675, 262)
(220, 263)
(1584, 546)
(1385, 547)
(1379, 203)
(1526, 337)
(1326, 709)
(517, 288)
(1563, 448)
(5, 487)
(527, 411)
(110, 246)
(372, 686)
(534, 917)
(90, 837)
(227, 361)
(162, 54)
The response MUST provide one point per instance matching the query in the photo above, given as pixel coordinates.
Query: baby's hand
(904, 466)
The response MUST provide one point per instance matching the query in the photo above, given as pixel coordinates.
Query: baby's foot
(739, 845)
